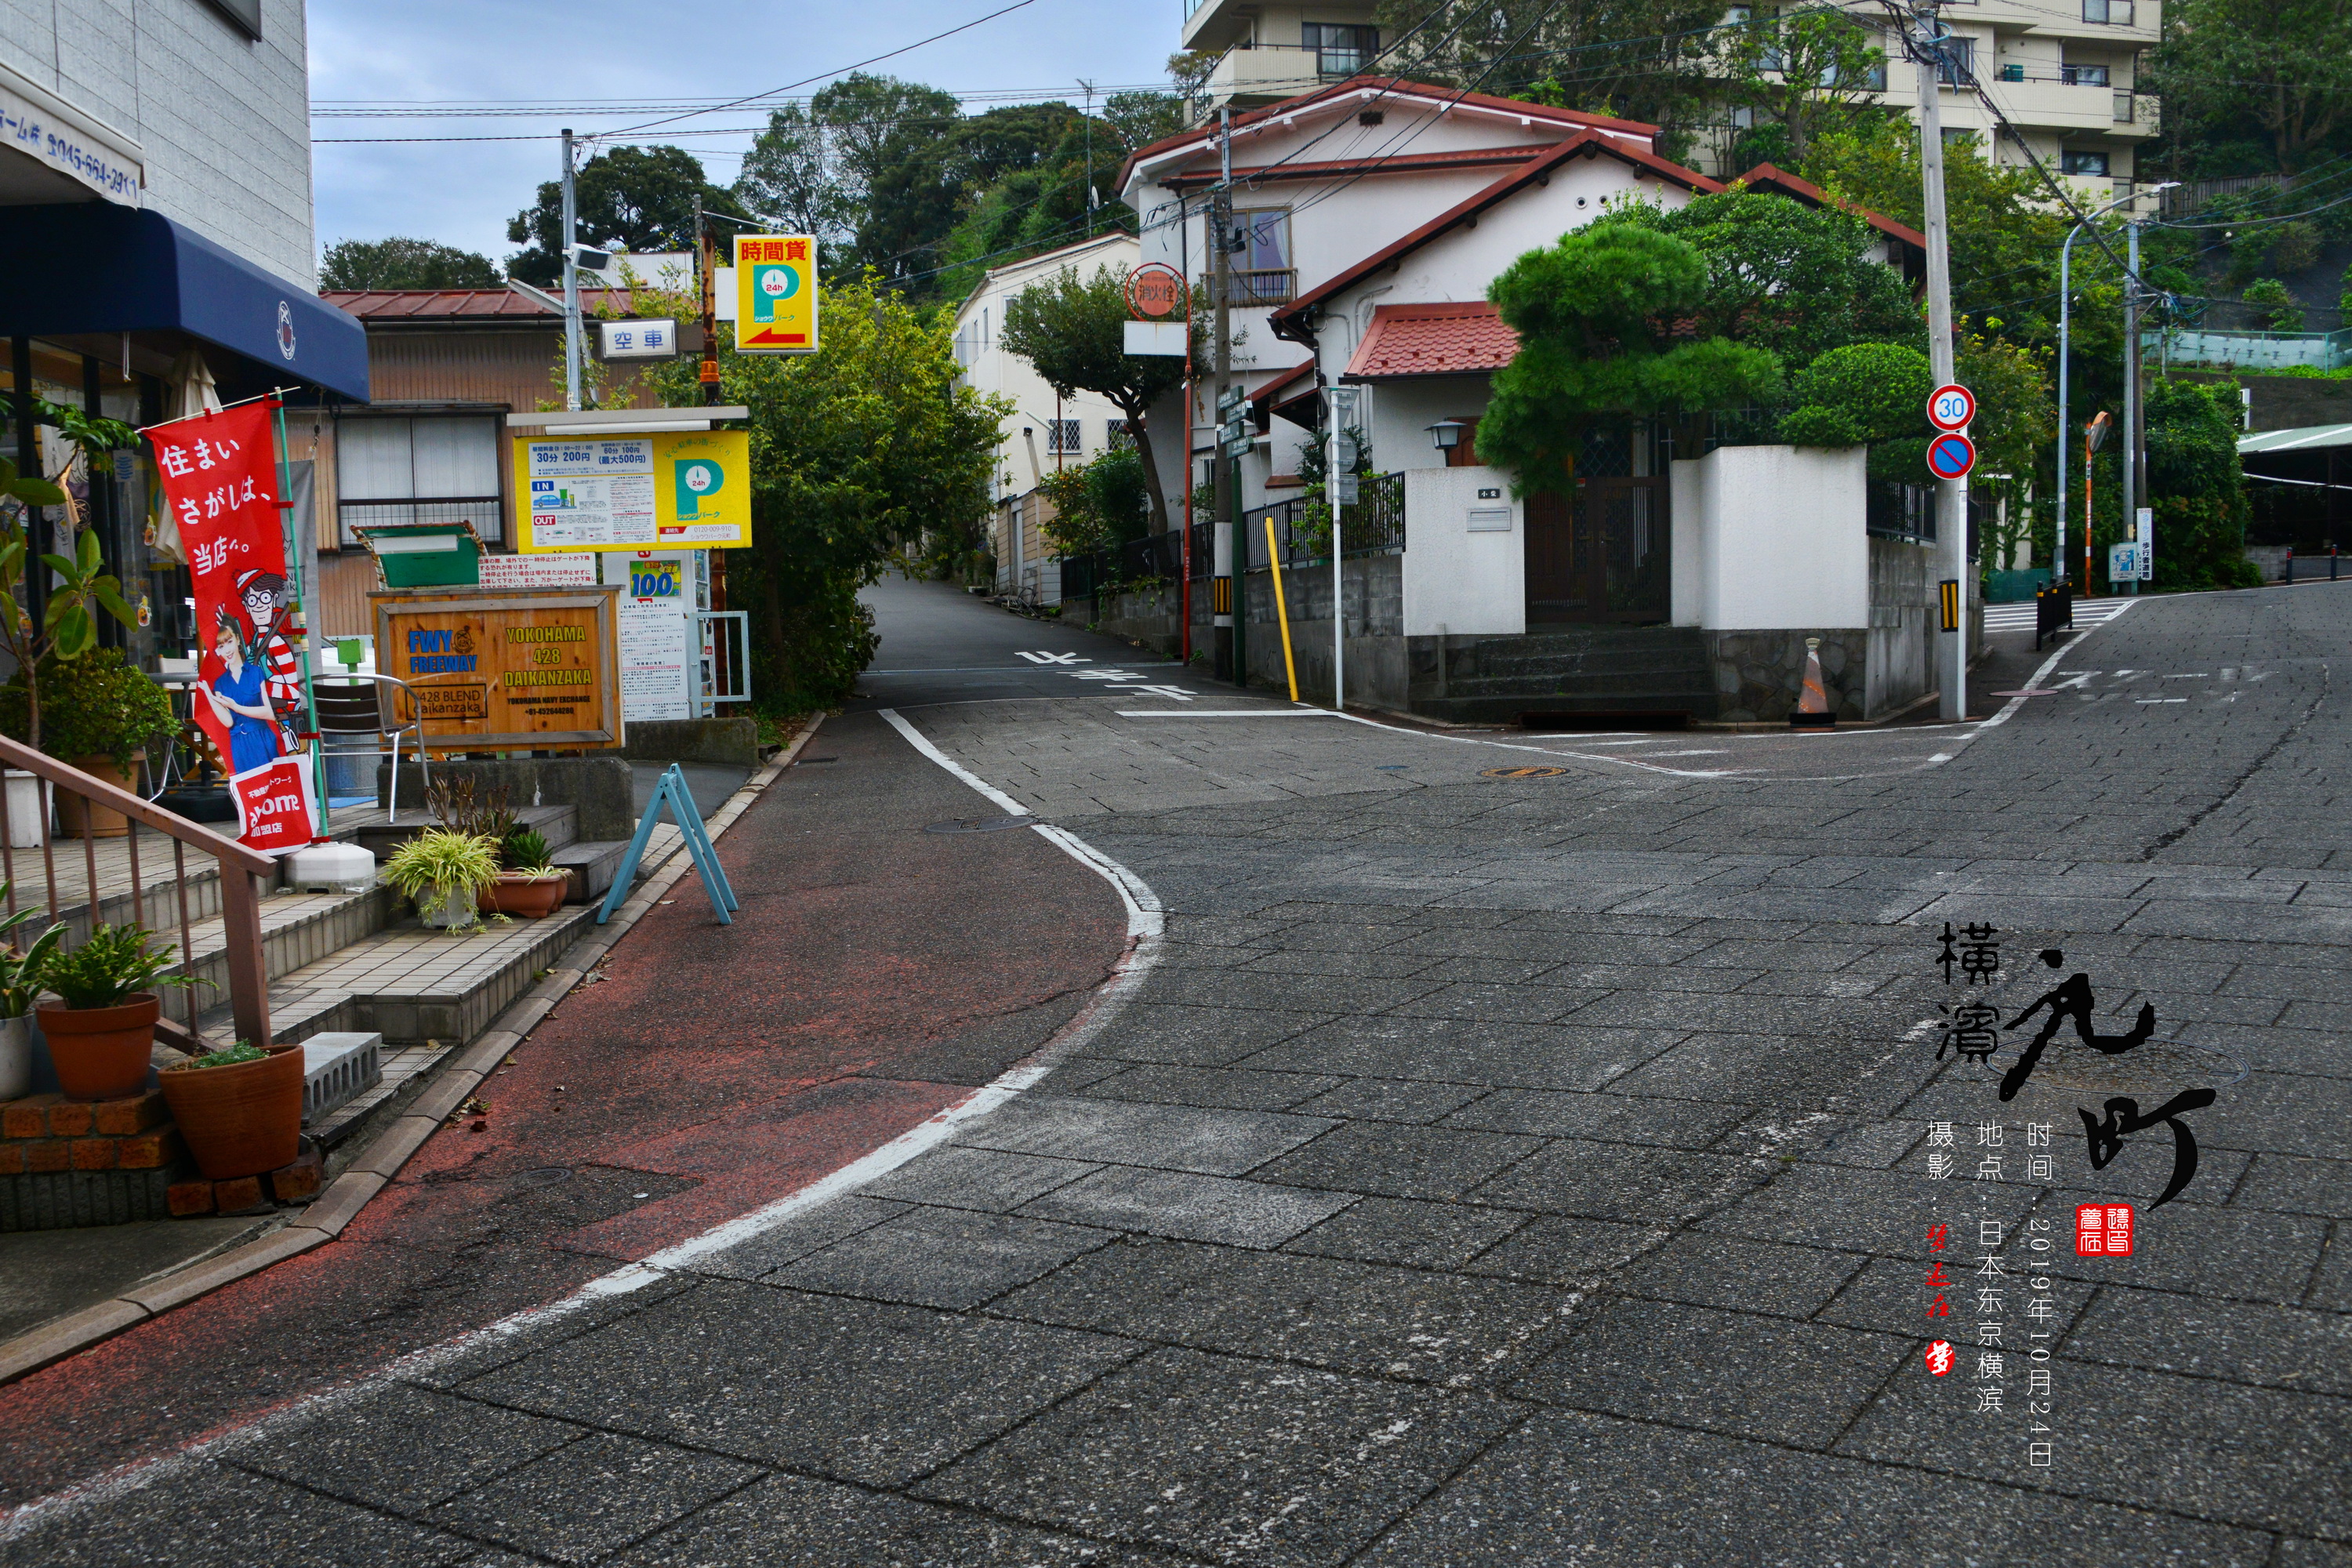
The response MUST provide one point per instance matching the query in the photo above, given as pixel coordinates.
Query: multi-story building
(1045, 431)
(155, 200)
(2066, 74)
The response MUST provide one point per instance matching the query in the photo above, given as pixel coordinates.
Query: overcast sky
(420, 54)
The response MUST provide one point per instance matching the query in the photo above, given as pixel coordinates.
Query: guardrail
(240, 899)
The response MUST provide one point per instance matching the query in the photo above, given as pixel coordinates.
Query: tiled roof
(1433, 339)
(469, 304)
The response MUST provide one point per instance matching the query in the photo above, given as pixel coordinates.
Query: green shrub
(93, 706)
(116, 963)
(2277, 307)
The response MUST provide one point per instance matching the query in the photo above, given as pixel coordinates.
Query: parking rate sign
(775, 294)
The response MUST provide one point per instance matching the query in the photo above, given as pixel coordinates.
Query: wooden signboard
(503, 669)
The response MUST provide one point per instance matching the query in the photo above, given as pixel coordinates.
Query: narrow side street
(1489, 1169)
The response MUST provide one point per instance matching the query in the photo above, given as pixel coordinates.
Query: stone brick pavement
(1514, 1170)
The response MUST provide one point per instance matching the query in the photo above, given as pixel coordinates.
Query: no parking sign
(1951, 455)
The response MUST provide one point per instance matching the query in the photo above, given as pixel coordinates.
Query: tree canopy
(400, 263)
(1074, 330)
(1782, 276)
(631, 198)
(1602, 318)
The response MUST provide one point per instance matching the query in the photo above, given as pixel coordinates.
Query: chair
(355, 705)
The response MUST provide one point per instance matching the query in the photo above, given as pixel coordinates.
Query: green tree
(786, 177)
(2276, 72)
(889, 147)
(631, 198)
(1074, 330)
(2278, 308)
(2196, 487)
(2005, 233)
(398, 263)
(1140, 118)
(858, 451)
(1874, 393)
(1805, 70)
(1098, 505)
(1781, 276)
(1599, 317)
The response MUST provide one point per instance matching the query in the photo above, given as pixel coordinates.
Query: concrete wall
(1457, 582)
(1376, 648)
(1152, 617)
(1771, 537)
(1902, 629)
(223, 121)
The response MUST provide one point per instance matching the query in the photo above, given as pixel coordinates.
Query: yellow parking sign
(775, 293)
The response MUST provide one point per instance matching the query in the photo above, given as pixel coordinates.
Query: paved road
(1536, 1169)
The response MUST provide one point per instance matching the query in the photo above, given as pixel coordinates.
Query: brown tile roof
(462, 304)
(1462, 339)
(1766, 177)
(1401, 163)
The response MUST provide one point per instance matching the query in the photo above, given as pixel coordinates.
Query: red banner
(274, 805)
(219, 477)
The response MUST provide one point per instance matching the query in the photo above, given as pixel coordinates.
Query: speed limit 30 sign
(1951, 408)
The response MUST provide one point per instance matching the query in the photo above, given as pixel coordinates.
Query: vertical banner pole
(287, 521)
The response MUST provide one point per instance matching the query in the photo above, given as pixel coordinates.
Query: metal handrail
(248, 977)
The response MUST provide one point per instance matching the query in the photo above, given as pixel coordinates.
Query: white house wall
(1459, 581)
(1771, 537)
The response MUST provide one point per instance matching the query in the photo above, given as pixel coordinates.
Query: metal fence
(1372, 524)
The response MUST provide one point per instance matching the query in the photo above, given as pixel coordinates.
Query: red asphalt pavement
(874, 975)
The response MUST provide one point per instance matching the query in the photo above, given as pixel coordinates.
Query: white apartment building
(2064, 72)
(1043, 432)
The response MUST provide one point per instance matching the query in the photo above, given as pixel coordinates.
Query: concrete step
(559, 825)
(1506, 709)
(1644, 683)
(591, 864)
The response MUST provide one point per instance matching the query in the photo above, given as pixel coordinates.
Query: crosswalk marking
(2020, 618)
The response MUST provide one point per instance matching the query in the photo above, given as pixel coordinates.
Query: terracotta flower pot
(78, 819)
(240, 1120)
(100, 1053)
(529, 895)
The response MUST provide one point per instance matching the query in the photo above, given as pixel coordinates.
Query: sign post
(775, 294)
(688, 489)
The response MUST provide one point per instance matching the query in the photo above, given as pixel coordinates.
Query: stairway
(591, 863)
(1595, 670)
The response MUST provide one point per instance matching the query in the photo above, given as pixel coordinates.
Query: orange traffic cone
(1813, 709)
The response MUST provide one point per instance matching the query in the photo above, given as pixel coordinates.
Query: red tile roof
(1462, 339)
(1253, 175)
(468, 304)
(1767, 177)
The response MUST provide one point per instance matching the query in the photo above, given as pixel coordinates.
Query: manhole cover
(1522, 772)
(980, 824)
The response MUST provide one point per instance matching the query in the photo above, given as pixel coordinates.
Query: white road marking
(2152, 701)
(1226, 712)
(1054, 658)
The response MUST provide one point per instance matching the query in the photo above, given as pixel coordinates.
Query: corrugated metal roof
(2309, 437)
(1433, 339)
(467, 304)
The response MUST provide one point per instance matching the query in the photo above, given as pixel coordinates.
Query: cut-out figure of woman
(240, 700)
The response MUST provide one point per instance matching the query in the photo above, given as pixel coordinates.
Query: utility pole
(2134, 479)
(570, 282)
(706, 247)
(1339, 403)
(1952, 495)
(1232, 545)
(1089, 118)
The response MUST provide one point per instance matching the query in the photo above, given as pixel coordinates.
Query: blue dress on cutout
(251, 742)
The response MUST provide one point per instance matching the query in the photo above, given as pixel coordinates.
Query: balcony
(1268, 73)
(1265, 286)
(2038, 96)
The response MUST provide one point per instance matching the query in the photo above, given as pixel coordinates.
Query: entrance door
(1600, 552)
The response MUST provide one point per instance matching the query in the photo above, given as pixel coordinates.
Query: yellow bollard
(1281, 610)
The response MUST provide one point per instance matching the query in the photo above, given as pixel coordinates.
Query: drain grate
(980, 824)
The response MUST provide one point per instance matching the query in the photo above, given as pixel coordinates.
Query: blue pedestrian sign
(1951, 455)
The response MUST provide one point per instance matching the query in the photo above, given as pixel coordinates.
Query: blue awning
(93, 268)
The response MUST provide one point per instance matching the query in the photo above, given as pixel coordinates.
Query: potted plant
(98, 713)
(530, 886)
(20, 987)
(80, 587)
(443, 873)
(103, 1028)
(238, 1109)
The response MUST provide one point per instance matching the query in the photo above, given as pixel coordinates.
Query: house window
(1117, 433)
(2083, 76)
(1342, 51)
(2092, 166)
(441, 467)
(2110, 13)
(1958, 66)
(1262, 271)
(1062, 436)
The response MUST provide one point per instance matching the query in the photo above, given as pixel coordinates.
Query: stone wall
(1376, 650)
(1761, 674)
(1152, 617)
